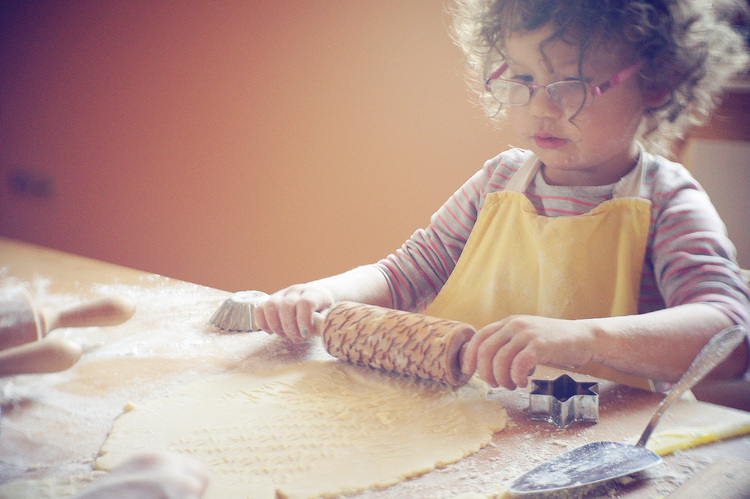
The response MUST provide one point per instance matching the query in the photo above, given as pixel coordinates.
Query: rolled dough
(318, 428)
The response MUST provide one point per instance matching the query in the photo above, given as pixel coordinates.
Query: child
(581, 249)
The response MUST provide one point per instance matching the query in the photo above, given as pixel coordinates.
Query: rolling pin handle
(318, 322)
(44, 356)
(109, 311)
(460, 356)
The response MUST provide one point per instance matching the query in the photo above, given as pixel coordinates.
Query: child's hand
(153, 475)
(505, 353)
(289, 312)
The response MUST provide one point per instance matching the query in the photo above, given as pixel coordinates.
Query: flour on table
(319, 428)
(48, 488)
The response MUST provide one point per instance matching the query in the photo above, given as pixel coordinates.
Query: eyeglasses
(566, 93)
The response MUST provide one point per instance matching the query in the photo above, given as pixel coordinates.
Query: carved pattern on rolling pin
(396, 341)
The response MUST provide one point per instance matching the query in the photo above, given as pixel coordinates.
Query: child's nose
(541, 105)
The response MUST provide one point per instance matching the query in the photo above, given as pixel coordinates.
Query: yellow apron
(570, 267)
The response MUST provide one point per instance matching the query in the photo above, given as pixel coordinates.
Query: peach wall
(241, 144)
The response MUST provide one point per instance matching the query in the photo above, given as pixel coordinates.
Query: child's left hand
(152, 475)
(505, 353)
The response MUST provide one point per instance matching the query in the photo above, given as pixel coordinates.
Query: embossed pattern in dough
(319, 428)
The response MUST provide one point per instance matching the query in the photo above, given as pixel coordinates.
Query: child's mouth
(549, 142)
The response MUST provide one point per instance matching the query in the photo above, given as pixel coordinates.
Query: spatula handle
(711, 355)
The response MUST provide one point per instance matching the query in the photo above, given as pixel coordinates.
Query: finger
(288, 318)
(271, 317)
(471, 349)
(180, 476)
(502, 362)
(486, 355)
(524, 364)
(305, 311)
(193, 479)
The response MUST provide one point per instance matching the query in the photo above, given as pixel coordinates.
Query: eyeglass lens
(563, 93)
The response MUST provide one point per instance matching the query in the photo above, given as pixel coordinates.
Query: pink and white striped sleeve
(693, 259)
(419, 269)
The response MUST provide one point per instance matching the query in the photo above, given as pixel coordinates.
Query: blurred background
(253, 144)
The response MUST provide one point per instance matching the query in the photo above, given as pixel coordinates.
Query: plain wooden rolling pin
(395, 341)
(45, 356)
(21, 322)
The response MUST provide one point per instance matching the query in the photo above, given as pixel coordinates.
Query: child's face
(598, 146)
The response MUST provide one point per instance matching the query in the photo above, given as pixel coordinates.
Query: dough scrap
(318, 428)
(670, 440)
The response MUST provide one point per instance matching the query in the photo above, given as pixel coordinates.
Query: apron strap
(521, 180)
(628, 186)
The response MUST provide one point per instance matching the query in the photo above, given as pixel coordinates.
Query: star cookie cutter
(563, 401)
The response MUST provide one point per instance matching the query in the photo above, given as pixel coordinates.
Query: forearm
(661, 345)
(365, 284)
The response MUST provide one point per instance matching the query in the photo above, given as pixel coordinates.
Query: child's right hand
(289, 312)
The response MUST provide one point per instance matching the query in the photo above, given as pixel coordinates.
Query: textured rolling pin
(391, 340)
(395, 341)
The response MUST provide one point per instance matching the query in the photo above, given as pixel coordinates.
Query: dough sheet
(313, 429)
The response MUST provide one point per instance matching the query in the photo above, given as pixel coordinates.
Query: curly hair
(689, 49)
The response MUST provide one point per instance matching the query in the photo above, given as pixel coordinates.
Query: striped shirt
(689, 258)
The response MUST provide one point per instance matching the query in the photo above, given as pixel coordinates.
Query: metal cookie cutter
(563, 401)
(237, 312)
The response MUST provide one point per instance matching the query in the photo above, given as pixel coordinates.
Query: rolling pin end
(457, 376)
(318, 322)
(109, 311)
(45, 356)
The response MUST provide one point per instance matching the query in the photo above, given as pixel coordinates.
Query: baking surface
(54, 424)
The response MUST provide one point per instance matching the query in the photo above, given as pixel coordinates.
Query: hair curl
(689, 49)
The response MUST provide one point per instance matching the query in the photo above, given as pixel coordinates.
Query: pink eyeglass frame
(598, 90)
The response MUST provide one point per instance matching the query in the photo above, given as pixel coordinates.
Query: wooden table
(54, 424)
